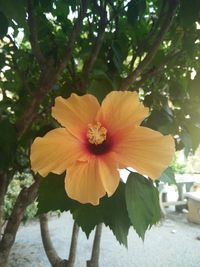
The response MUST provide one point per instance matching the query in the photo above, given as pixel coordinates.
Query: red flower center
(98, 141)
(100, 149)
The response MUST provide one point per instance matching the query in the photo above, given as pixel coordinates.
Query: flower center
(96, 133)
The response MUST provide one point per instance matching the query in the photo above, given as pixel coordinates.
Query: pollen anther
(96, 133)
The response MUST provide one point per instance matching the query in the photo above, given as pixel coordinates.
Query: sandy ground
(173, 243)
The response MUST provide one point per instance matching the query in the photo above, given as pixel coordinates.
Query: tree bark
(49, 76)
(128, 81)
(26, 197)
(94, 261)
(74, 241)
(50, 251)
(3, 186)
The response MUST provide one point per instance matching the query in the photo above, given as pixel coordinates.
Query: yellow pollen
(96, 133)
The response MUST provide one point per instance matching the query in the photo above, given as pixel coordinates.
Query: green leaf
(136, 9)
(117, 55)
(112, 211)
(116, 215)
(161, 121)
(195, 86)
(100, 86)
(133, 12)
(119, 48)
(52, 195)
(142, 202)
(46, 5)
(168, 176)
(14, 10)
(189, 12)
(2, 60)
(87, 217)
(8, 143)
(4, 25)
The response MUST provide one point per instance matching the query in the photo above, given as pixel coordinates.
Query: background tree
(56, 47)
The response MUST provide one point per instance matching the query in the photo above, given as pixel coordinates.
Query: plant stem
(94, 261)
(74, 241)
(50, 251)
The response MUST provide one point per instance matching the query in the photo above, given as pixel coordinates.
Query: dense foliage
(56, 47)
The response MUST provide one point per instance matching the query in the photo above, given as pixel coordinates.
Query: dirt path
(173, 243)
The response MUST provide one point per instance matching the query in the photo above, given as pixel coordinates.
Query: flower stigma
(96, 133)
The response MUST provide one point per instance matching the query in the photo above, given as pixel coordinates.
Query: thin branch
(49, 76)
(12, 41)
(50, 251)
(94, 261)
(22, 73)
(47, 80)
(134, 56)
(154, 70)
(155, 27)
(72, 71)
(98, 43)
(26, 196)
(126, 83)
(73, 37)
(90, 26)
(73, 247)
(96, 48)
(3, 187)
(33, 35)
(89, 63)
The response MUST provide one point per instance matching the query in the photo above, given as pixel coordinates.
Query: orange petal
(83, 182)
(145, 150)
(54, 152)
(121, 109)
(108, 173)
(75, 112)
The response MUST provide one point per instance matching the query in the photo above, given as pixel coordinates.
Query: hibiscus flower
(96, 141)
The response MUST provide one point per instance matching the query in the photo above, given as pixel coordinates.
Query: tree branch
(74, 241)
(94, 261)
(73, 36)
(26, 196)
(33, 35)
(154, 70)
(98, 43)
(45, 83)
(3, 186)
(50, 251)
(126, 83)
(49, 76)
(143, 44)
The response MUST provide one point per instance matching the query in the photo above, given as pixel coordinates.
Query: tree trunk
(26, 197)
(3, 186)
(94, 261)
